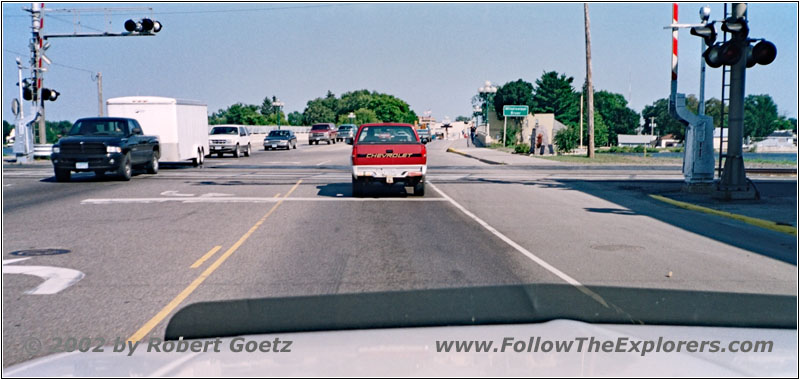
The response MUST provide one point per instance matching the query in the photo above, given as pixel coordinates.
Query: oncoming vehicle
(102, 144)
(346, 132)
(280, 139)
(424, 135)
(229, 139)
(388, 153)
(322, 132)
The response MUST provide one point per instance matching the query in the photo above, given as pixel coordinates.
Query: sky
(434, 56)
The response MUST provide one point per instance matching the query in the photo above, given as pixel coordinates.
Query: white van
(181, 125)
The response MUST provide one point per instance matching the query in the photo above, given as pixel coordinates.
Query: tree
(56, 129)
(318, 112)
(713, 107)
(463, 119)
(615, 115)
(295, 118)
(239, 113)
(590, 88)
(554, 94)
(665, 123)
(7, 127)
(520, 93)
(363, 116)
(783, 123)
(760, 114)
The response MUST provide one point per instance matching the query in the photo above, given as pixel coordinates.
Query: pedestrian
(472, 130)
(532, 148)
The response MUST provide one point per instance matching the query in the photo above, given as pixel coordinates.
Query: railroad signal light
(707, 32)
(719, 54)
(144, 25)
(763, 53)
(51, 95)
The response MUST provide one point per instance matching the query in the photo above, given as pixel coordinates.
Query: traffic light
(145, 25)
(707, 32)
(51, 95)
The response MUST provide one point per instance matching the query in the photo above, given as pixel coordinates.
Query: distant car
(101, 144)
(322, 132)
(424, 135)
(229, 139)
(280, 139)
(346, 132)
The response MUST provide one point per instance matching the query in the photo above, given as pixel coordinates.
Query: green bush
(522, 148)
(566, 140)
(640, 149)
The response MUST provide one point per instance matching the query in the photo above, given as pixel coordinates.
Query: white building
(636, 140)
(778, 141)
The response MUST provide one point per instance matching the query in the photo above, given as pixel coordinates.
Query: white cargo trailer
(181, 125)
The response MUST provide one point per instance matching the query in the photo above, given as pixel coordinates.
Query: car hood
(413, 352)
(399, 333)
(108, 140)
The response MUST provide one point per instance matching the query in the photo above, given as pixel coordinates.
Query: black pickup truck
(102, 144)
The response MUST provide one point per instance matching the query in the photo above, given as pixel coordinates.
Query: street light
(352, 117)
(486, 91)
(278, 103)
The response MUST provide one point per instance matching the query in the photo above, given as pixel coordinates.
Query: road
(283, 223)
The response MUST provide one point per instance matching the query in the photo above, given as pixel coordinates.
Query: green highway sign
(515, 111)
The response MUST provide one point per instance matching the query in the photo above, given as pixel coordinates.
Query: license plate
(389, 179)
(274, 145)
(81, 165)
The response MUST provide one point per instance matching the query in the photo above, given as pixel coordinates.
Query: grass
(610, 158)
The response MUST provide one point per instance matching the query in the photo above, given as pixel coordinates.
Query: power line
(54, 63)
(94, 13)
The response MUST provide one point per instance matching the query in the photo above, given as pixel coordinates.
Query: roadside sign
(515, 111)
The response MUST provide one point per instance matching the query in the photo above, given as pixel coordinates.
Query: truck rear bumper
(390, 173)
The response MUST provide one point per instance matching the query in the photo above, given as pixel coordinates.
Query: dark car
(280, 139)
(102, 144)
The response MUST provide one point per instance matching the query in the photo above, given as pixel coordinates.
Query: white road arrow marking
(176, 194)
(55, 279)
(216, 195)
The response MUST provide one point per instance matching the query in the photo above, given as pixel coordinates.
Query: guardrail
(42, 150)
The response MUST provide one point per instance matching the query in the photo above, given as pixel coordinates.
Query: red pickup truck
(388, 153)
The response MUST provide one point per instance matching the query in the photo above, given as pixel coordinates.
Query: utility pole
(580, 133)
(589, 87)
(652, 125)
(37, 23)
(99, 78)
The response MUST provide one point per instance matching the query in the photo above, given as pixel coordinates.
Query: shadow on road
(633, 197)
(373, 190)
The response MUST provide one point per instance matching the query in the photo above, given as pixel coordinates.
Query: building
(636, 140)
(667, 141)
(544, 124)
(778, 141)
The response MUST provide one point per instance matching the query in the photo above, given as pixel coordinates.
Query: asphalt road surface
(284, 223)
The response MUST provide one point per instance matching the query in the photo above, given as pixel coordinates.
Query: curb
(791, 230)
(490, 162)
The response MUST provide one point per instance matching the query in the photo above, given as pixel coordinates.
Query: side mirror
(136, 131)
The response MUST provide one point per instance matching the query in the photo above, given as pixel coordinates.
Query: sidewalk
(496, 157)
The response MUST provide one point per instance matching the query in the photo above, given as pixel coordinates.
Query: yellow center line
(153, 322)
(205, 257)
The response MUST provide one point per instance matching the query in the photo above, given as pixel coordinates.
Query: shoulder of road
(776, 210)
